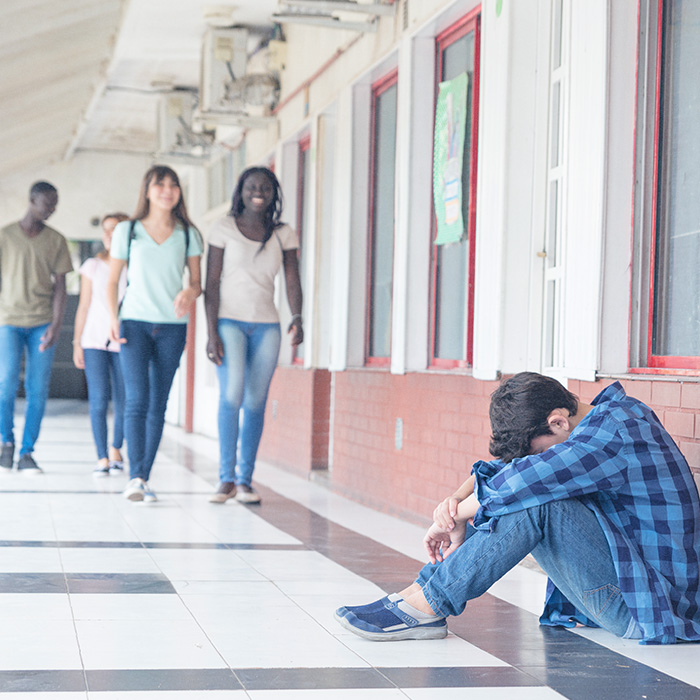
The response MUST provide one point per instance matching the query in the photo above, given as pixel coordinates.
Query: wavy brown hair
(158, 173)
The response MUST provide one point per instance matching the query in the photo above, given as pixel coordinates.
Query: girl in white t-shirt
(93, 352)
(247, 248)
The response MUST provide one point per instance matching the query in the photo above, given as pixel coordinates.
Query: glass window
(453, 263)
(675, 329)
(382, 177)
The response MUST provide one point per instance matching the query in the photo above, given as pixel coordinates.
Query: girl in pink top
(93, 352)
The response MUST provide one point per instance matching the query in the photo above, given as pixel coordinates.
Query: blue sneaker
(370, 608)
(391, 623)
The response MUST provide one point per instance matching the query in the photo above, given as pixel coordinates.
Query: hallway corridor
(102, 598)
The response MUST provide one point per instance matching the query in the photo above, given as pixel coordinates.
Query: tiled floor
(102, 598)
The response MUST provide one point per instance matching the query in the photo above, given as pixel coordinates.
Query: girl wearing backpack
(157, 245)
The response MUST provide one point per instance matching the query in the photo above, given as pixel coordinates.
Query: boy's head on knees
(529, 413)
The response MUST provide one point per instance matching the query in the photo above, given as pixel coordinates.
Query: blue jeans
(104, 379)
(149, 358)
(250, 358)
(565, 539)
(14, 340)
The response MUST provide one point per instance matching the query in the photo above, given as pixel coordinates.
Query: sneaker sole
(250, 500)
(418, 633)
(29, 470)
(134, 496)
(100, 474)
(221, 497)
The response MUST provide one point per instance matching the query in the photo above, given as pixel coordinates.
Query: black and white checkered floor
(102, 598)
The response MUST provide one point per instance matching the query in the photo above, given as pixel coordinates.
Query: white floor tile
(482, 694)
(451, 651)
(145, 644)
(108, 560)
(130, 607)
(31, 644)
(339, 694)
(30, 560)
(204, 565)
(35, 606)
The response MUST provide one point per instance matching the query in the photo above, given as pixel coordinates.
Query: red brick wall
(445, 429)
(676, 403)
(296, 420)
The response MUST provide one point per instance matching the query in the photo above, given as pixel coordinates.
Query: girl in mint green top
(158, 245)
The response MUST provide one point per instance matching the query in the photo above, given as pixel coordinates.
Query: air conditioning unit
(224, 61)
(177, 136)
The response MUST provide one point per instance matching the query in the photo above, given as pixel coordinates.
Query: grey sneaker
(246, 494)
(27, 464)
(101, 469)
(226, 490)
(148, 495)
(135, 489)
(7, 455)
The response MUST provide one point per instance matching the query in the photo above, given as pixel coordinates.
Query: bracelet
(301, 320)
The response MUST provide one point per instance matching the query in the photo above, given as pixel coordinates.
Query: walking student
(156, 246)
(247, 248)
(34, 261)
(95, 353)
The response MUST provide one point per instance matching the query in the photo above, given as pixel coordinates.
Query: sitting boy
(599, 494)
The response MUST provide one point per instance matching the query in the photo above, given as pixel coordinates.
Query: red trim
(470, 22)
(665, 371)
(304, 146)
(655, 184)
(378, 89)
(190, 345)
(668, 364)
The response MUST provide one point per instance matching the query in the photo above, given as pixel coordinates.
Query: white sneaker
(148, 495)
(135, 490)
(101, 470)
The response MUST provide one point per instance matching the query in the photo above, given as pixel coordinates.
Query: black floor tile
(310, 678)
(42, 681)
(162, 679)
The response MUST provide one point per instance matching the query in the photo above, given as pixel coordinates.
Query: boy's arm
(452, 507)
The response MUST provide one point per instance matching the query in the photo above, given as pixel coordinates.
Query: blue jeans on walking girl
(104, 379)
(149, 358)
(251, 351)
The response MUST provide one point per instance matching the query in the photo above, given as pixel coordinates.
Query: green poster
(448, 150)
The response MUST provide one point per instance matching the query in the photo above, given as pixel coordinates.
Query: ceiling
(85, 75)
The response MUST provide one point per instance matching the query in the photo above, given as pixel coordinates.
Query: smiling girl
(151, 325)
(247, 248)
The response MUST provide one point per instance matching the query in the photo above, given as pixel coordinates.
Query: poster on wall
(448, 151)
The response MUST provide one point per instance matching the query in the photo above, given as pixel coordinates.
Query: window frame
(379, 87)
(304, 148)
(459, 29)
(650, 363)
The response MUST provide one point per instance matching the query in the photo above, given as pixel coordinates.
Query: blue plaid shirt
(623, 465)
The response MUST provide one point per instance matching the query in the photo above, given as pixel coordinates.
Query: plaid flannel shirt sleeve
(589, 462)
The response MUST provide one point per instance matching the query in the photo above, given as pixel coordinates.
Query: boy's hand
(445, 513)
(440, 543)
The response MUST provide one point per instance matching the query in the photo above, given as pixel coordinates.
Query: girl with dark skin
(246, 250)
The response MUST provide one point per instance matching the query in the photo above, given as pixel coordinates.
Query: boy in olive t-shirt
(34, 260)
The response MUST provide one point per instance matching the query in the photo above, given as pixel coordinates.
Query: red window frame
(304, 147)
(470, 22)
(660, 364)
(378, 89)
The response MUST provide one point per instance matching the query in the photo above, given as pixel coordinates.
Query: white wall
(89, 186)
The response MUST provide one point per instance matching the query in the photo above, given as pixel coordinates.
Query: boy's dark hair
(41, 187)
(519, 410)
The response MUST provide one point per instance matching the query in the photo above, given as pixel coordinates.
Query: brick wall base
(401, 443)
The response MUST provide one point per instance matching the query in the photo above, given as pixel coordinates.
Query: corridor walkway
(102, 598)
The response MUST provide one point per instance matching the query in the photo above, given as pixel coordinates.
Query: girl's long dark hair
(272, 213)
(159, 173)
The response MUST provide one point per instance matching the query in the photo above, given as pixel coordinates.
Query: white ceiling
(84, 75)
